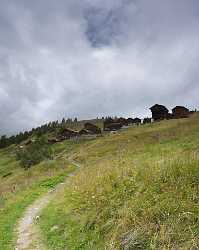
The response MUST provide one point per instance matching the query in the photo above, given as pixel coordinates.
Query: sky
(93, 58)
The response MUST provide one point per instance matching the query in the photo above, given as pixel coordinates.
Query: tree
(34, 153)
(3, 141)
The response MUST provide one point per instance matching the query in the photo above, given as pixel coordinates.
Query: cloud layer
(91, 58)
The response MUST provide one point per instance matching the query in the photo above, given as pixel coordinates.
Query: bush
(35, 153)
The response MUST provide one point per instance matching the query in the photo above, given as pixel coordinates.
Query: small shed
(137, 121)
(85, 132)
(122, 120)
(108, 121)
(113, 126)
(159, 112)
(92, 128)
(180, 112)
(67, 133)
(130, 121)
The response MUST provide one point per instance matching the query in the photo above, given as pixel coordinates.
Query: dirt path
(28, 237)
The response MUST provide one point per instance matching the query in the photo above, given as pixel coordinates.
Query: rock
(37, 217)
(54, 228)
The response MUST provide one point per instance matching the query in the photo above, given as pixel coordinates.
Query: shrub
(34, 153)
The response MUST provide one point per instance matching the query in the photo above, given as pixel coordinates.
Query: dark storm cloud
(104, 24)
(91, 57)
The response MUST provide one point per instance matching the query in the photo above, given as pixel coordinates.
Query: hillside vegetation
(137, 189)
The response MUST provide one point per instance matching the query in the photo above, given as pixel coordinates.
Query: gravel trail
(28, 237)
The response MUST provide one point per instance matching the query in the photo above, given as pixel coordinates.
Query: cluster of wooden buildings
(160, 112)
(66, 133)
(116, 124)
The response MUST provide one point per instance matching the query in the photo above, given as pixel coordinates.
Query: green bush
(34, 153)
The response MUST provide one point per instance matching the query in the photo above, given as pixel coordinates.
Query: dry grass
(138, 189)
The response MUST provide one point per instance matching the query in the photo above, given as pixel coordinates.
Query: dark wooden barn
(122, 120)
(67, 134)
(180, 112)
(137, 121)
(85, 132)
(108, 121)
(92, 128)
(159, 112)
(113, 126)
(130, 121)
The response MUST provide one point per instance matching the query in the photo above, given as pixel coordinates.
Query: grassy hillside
(137, 189)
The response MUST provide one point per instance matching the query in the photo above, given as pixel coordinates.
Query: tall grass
(138, 190)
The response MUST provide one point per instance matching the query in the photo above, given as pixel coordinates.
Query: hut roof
(88, 124)
(113, 126)
(84, 132)
(67, 130)
(180, 108)
(130, 119)
(109, 120)
(158, 107)
(137, 119)
(121, 120)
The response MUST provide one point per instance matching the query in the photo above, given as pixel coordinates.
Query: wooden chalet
(92, 128)
(180, 112)
(159, 112)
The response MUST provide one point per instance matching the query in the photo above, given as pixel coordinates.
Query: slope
(138, 189)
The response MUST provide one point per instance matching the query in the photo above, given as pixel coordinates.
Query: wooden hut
(85, 132)
(67, 133)
(159, 112)
(113, 126)
(92, 128)
(107, 121)
(122, 120)
(137, 121)
(130, 121)
(180, 112)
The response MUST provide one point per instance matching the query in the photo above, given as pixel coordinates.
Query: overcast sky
(89, 58)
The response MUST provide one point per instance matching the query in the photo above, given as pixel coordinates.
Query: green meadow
(136, 189)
